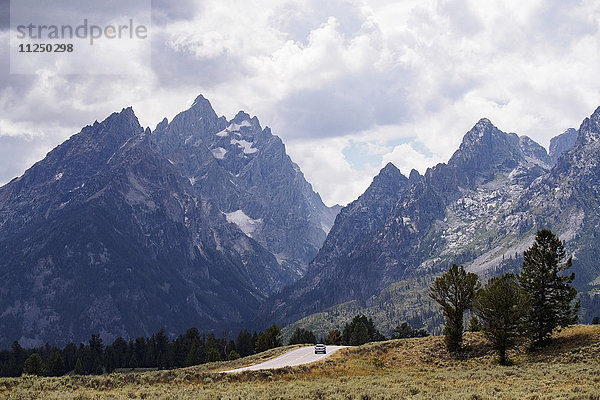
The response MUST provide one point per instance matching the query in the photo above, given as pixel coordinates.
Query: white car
(320, 348)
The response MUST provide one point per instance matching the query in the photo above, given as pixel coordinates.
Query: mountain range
(123, 231)
(207, 222)
(482, 209)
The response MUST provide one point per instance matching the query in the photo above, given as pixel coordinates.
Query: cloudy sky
(348, 85)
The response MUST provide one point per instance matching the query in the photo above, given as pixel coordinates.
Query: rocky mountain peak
(389, 176)
(561, 144)
(533, 149)
(483, 135)
(245, 125)
(117, 123)
(201, 108)
(390, 169)
(589, 131)
(482, 128)
(484, 151)
(240, 117)
(414, 176)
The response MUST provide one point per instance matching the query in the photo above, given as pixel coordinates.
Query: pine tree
(245, 343)
(96, 351)
(233, 355)
(269, 339)
(55, 366)
(334, 337)
(212, 350)
(301, 336)
(79, 370)
(549, 293)
(373, 335)
(454, 291)
(33, 365)
(194, 356)
(500, 307)
(406, 331)
(360, 334)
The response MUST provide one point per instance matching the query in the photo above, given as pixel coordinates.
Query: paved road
(300, 356)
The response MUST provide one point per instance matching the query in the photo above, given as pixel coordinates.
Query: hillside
(405, 368)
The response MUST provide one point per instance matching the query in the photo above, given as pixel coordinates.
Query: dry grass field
(396, 369)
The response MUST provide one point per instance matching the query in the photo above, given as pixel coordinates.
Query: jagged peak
(484, 122)
(125, 117)
(200, 100)
(562, 143)
(533, 149)
(390, 171)
(481, 129)
(390, 167)
(241, 116)
(589, 131)
(162, 124)
(202, 106)
(414, 175)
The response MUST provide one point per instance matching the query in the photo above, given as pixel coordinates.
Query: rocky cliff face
(561, 144)
(245, 171)
(480, 209)
(121, 231)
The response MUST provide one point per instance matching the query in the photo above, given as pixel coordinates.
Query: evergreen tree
(95, 353)
(70, 356)
(269, 339)
(161, 349)
(139, 352)
(406, 331)
(360, 334)
(55, 365)
(33, 365)
(233, 355)
(334, 337)
(116, 355)
(550, 294)
(212, 349)
(245, 343)
(373, 334)
(79, 370)
(18, 356)
(194, 355)
(500, 306)
(454, 291)
(301, 336)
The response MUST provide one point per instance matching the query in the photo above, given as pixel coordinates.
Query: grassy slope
(408, 368)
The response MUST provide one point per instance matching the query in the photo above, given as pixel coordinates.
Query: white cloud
(402, 80)
(406, 158)
(331, 175)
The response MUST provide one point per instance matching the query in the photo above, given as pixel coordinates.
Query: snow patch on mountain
(246, 146)
(236, 127)
(219, 152)
(244, 222)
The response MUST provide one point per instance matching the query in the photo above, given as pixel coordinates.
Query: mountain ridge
(111, 233)
(479, 209)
